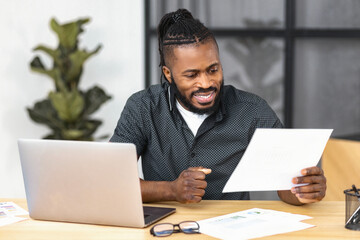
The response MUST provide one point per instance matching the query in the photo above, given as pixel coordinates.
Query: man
(192, 131)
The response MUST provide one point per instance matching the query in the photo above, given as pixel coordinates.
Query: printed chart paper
(12, 209)
(8, 213)
(275, 156)
(247, 224)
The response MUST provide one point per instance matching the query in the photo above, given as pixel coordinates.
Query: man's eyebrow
(197, 70)
(213, 65)
(190, 70)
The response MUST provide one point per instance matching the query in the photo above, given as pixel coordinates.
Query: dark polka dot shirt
(167, 146)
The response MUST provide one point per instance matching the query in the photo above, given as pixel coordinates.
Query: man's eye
(213, 70)
(191, 75)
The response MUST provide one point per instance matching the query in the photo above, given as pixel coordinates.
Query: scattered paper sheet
(8, 213)
(12, 209)
(275, 156)
(252, 223)
(9, 220)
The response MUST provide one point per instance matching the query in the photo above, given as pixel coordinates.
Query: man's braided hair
(177, 28)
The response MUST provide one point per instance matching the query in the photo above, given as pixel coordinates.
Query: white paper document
(9, 220)
(275, 156)
(8, 213)
(12, 209)
(252, 223)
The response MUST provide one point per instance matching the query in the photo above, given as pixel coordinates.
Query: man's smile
(204, 98)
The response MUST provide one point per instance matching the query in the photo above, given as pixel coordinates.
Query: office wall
(118, 68)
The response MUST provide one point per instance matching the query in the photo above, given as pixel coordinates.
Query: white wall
(118, 68)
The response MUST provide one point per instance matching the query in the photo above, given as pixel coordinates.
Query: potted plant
(67, 109)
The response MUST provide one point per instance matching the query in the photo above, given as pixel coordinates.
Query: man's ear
(167, 73)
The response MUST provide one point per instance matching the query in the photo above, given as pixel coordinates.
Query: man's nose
(204, 81)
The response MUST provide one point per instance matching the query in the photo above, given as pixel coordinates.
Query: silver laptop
(85, 182)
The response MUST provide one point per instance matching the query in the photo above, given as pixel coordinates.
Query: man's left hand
(315, 189)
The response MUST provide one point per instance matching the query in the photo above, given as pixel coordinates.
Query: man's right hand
(190, 186)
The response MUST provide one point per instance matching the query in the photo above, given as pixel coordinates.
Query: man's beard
(190, 106)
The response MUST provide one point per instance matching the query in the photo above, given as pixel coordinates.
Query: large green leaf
(72, 134)
(77, 60)
(54, 135)
(94, 98)
(84, 130)
(68, 105)
(89, 127)
(53, 53)
(37, 66)
(44, 113)
(68, 33)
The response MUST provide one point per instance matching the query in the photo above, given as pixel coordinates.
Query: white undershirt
(193, 120)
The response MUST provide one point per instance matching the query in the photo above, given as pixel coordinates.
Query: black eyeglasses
(166, 229)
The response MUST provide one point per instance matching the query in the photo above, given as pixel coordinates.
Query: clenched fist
(190, 186)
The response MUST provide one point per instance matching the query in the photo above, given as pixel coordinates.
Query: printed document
(252, 223)
(275, 156)
(9, 212)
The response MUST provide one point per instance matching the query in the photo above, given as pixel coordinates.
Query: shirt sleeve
(266, 117)
(130, 127)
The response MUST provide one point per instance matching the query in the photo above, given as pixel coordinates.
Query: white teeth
(205, 97)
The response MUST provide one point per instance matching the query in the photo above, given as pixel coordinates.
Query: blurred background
(302, 56)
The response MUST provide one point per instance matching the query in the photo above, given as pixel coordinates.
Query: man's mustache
(204, 90)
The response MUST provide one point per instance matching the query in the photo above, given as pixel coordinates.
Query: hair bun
(178, 16)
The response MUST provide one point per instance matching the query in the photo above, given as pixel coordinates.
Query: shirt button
(192, 155)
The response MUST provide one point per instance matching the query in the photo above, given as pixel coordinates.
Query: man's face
(196, 73)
